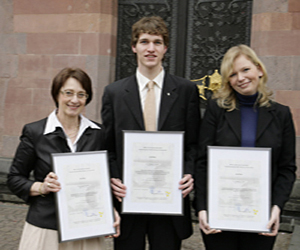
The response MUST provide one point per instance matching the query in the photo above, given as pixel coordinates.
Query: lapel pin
(168, 94)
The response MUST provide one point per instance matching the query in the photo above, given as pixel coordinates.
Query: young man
(176, 109)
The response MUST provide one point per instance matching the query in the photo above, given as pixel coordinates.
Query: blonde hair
(225, 96)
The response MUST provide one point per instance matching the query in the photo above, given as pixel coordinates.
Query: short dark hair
(76, 73)
(153, 25)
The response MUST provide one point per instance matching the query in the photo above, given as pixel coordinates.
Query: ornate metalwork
(214, 27)
(214, 83)
(131, 11)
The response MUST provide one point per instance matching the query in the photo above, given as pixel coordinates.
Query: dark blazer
(275, 130)
(34, 154)
(179, 111)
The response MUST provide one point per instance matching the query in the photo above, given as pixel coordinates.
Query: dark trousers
(237, 241)
(159, 230)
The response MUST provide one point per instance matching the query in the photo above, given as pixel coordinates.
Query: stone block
(296, 21)
(295, 241)
(261, 22)
(47, 7)
(281, 21)
(90, 44)
(13, 43)
(45, 23)
(35, 66)
(98, 44)
(53, 43)
(92, 6)
(10, 144)
(42, 97)
(108, 24)
(92, 23)
(279, 69)
(29, 82)
(8, 66)
(295, 72)
(19, 95)
(5, 164)
(84, 22)
(87, 6)
(289, 98)
(73, 61)
(276, 43)
(16, 116)
(3, 88)
(264, 6)
(109, 7)
(294, 6)
(6, 16)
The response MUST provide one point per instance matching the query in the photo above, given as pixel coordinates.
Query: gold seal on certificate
(239, 188)
(84, 203)
(153, 167)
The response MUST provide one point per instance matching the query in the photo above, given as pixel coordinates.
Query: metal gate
(200, 33)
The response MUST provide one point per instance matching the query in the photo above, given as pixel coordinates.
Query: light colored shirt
(143, 89)
(53, 123)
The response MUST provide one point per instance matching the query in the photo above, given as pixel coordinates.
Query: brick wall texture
(276, 37)
(38, 39)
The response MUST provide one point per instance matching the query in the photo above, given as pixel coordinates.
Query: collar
(143, 81)
(53, 123)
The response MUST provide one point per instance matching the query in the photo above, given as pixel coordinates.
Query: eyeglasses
(70, 94)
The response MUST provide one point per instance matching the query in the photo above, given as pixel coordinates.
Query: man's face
(150, 50)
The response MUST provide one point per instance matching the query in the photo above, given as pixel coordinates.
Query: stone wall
(38, 39)
(276, 38)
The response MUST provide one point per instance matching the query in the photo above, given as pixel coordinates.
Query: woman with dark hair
(242, 114)
(64, 130)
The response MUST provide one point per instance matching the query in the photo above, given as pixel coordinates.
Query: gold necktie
(150, 108)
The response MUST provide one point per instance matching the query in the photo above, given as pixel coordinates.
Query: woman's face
(71, 98)
(244, 78)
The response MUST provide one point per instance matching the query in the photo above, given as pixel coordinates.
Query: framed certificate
(152, 169)
(84, 203)
(239, 188)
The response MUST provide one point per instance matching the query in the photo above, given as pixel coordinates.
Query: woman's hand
(116, 225)
(274, 221)
(51, 184)
(202, 215)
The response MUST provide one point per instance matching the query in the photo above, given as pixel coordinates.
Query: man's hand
(274, 221)
(186, 184)
(202, 216)
(118, 188)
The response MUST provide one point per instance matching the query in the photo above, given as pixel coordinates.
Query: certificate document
(153, 165)
(239, 188)
(84, 203)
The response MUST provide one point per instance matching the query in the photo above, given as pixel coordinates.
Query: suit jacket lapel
(85, 137)
(132, 100)
(264, 119)
(234, 120)
(58, 141)
(168, 97)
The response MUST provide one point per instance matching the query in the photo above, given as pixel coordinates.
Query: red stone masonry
(38, 40)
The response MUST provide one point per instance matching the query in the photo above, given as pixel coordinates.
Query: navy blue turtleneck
(249, 115)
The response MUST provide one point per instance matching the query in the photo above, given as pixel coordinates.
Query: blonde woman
(242, 114)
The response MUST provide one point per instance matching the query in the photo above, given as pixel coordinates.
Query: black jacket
(179, 111)
(275, 130)
(34, 154)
